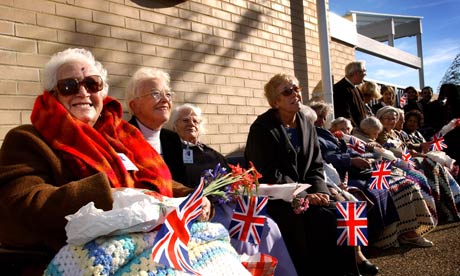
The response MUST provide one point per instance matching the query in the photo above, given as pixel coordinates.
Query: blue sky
(440, 38)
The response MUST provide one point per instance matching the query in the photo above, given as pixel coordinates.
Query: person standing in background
(348, 100)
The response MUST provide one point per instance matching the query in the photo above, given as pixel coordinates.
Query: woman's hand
(318, 199)
(205, 210)
(371, 145)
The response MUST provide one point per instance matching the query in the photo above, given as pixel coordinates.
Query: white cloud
(438, 54)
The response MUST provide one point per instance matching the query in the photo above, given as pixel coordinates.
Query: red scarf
(88, 150)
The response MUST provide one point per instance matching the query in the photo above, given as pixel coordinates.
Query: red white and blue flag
(381, 174)
(357, 145)
(406, 156)
(248, 218)
(351, 223)
(403, 101)
(437, 144)
(170, 246)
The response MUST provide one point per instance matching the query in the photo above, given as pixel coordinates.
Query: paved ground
(443, 259)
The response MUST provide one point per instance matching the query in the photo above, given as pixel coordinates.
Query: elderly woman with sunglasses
(73, 153)
(284, 148)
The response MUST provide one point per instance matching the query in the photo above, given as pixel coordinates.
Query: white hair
(193, 109)
(51, 68)
(142, 74)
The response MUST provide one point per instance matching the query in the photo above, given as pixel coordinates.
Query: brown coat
(37, 191)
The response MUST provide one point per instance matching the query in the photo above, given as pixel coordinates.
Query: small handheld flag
(351, 223)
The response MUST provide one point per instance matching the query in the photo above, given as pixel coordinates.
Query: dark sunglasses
(289, 91)
(67, 87)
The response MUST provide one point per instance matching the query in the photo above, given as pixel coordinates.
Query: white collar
(151, 136)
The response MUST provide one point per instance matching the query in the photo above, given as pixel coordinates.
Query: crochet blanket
(210, 253)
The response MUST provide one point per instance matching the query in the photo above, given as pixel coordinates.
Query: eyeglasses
(71, 86)
(289, 91)
(156, 95)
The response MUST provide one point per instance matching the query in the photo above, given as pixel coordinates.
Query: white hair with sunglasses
(50, 70)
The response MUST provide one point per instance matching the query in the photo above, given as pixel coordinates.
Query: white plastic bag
(134, 210)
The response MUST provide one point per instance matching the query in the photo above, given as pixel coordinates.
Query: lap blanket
(210, 253)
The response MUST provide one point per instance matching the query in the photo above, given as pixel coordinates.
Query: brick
(152, 17)
(167, 31)
(195, 97)
(139, 25)
(111, 43)
(17, 15)
(76, 38)
(119, 69)
(10, 118)
(238, 138)
(179, 23)
(141, 48)
(36, 32)
(6, 28)
(201, 28)
(50, 48)
(109, 19)
(7, 57)
(154, 39)
(92, 28)
(215, 79)
(155, 61)
(194, 77)
(237, 100)
(226, 109)
(100, 5)
(74, 12)
(219, 139)
(25, 116)
(125, 34)
(32, 60)
(128, 58)
(16, 102)
(7, 87)
(29, 88)
(217, 99)
(58, 22)
(124, 10)
(227, 128)
(19, 73)
(36, 5)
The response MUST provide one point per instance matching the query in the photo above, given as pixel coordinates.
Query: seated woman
(447, 187)
(149, 98)
(73, 153)
(283, 146)
(348, 162)
(187, 121)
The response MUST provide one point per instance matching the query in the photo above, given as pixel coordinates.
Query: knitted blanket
(210, 253)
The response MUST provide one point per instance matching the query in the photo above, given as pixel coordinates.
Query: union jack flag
(381, 174)
(403, 101)
(248, 218)
(406, 156)
(170, 246)
(351, 223)
(357, 145)
(437, 144)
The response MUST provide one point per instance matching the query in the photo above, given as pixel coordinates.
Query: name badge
(129, 165)
(187, 156)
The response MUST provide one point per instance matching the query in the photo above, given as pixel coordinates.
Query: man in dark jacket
(348, 100)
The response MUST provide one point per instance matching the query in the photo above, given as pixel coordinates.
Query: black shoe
(368, 268)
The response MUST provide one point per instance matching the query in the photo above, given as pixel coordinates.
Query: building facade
(220, 53)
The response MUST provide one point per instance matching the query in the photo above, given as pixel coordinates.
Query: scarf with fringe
(88, 150)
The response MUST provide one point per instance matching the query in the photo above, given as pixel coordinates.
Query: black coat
(269, 148)
(310, 237)
(348, 102)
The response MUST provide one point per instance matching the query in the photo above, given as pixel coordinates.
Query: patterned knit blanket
(210, 253)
